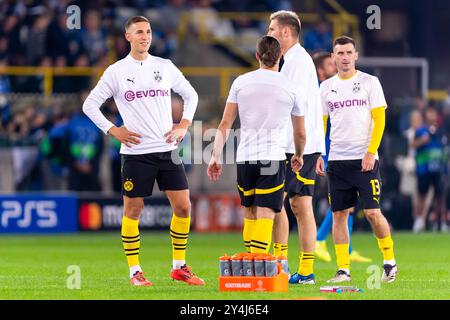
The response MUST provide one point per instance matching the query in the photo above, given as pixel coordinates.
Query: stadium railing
(224, 74)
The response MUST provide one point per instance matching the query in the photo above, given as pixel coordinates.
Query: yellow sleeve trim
(379, 121)
(325, 122)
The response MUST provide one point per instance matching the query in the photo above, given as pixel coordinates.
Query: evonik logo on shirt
(130, 95)
(347, 103)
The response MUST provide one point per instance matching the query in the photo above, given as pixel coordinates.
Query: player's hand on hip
(176, 134)
(296, 163)
(214, 169)
(320, 167)
(368, 162)
(125, 136)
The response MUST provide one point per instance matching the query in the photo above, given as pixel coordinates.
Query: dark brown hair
(289, 19)
(268, 50)
(135, 19)
(319, 58)
(344, 40)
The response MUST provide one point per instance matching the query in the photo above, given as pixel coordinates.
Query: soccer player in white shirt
(265, 100)
(299, 68)
(355, 103)
(141, 87)
(326, 68)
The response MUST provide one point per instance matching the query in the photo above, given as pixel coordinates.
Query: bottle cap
(248, 257)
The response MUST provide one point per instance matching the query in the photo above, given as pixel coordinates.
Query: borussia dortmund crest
(158, 77)
(128, 185)
(356, 87)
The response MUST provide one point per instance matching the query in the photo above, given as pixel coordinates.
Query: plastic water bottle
(284, 264)
(236, 265)
(259, 266)
(248, 265)
(225, 265)
(271, 265)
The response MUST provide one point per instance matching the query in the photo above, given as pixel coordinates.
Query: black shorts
(139, 173)
(425, 181)
(261, 183)
(301, 183)
(346, 183)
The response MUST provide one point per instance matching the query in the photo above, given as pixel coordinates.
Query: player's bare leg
(131, 239)
(179, 233)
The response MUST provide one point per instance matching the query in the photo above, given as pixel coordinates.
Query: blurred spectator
(429, 142)
(205, 20)
(58, 38)
(93, 38)
(185, 146)
(168, 22)
(11, 28)
(54, 149)
(25, 132)
(36, 83)
(318, 38)
(446, 114)
(114, 149)
(5, 111)
(160, 45)
(407, 164)
(3, 49)
(62, 83)
(121, 45)
(254, 6)
(81, 83)
(35, 41)
(85, 145)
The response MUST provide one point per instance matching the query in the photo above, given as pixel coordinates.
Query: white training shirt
(266, 100)
(141, 90)
(299, 68)
(349, 103)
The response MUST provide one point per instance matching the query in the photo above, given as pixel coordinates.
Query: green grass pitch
(35, 267)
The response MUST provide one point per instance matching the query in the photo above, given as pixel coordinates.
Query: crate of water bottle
(252, 265)
(253, 272)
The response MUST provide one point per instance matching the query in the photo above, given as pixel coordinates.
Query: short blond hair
(287, 19)
(135, 19)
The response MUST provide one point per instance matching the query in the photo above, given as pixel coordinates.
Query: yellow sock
(306, 265)
(386, 246)
(280, 249)
(342, 256)
(262, 236)
(179, 232)
(131, 240)
(249, 228)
